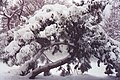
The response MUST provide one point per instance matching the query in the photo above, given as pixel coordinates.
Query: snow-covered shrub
(77, 28)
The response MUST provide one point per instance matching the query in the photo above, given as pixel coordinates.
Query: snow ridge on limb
(51, 27)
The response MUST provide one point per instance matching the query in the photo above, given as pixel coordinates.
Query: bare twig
(21, 9)
(47, 58)
(9, 17)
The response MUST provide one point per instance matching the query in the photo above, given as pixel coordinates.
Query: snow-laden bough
(78, 28)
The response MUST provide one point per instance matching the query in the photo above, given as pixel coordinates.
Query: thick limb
(49, 66)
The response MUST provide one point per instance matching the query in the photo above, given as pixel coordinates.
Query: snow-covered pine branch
(77, 28)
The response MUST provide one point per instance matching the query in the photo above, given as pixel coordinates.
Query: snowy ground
(96, 73)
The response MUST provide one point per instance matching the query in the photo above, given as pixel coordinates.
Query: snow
(42, 34)
(12, 2)
(49, 30)
(34, 20)
(96, 73)
(28, 36)
(113, 56)
(33, 26)
(18, 34)
(24, 34)
(56, 8)
(12, 48)
(77, 10)
(58, 55)
(47, 11)
(107, 11)
(25, 53)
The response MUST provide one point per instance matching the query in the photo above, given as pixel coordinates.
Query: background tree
(112, 24)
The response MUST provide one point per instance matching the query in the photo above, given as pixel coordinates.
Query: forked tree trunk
(49, 66)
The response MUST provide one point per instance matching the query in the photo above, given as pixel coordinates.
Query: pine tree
(78, 28)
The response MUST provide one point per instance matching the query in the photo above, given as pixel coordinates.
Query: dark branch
(47, 58)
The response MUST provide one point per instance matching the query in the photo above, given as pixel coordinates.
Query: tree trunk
(49, 66)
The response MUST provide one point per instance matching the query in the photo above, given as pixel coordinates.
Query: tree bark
(49, 66)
